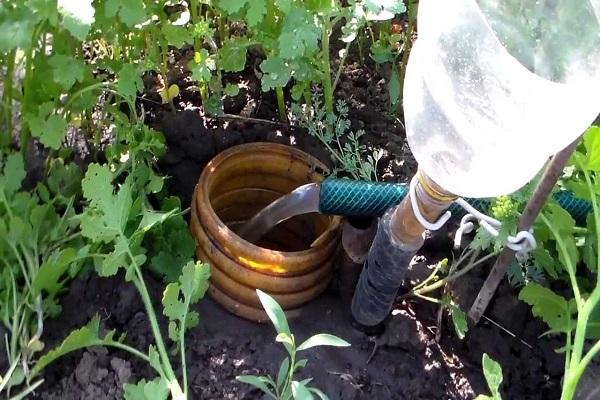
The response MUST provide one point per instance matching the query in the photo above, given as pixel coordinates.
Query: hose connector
(420, 210)
(399, 236)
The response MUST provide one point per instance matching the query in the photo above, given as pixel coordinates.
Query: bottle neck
(432, 200)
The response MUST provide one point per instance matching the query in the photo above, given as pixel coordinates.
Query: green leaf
(300, 391)
(285, 338)
(258, 382)
(256, 12)
(299, 34)
(78, 16)
(152, 218)
(177, 35)
(202, 30)
(192, 285)
(232, 6)
(231, 90)
(85, 336)
(173, 306)
(300, 364)
(170, 245)
(54, 132)
(232, 55)
(48, 277)
(543, 259)
(13, 174)
(381, 52)
(277, 73)
(553, 309)
(156, 389)
(130, 12)
(116, 259)
(591, 141)
(493, 375)
(108, 214)
(283, 373)
(323, 339)
(202, 66)
(483, 240)
(319, 393)
(50, 128)
(16, 25)
(274, 311)
(194, 280)
(129, 83)
(383, 10)
(284, 5)
(154, 358)
(459, 320)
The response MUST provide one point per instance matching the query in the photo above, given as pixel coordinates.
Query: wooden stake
(532, 209)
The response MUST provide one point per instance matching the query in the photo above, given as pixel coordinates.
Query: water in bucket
(493, 88)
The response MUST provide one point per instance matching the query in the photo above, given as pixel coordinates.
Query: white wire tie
(417, 210)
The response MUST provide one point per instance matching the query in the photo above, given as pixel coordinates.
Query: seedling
(492, 371)
(286, 386)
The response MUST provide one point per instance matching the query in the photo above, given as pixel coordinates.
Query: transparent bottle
(493, 88)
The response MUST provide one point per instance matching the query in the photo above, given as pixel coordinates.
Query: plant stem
(98, 85)
(280, 104)
(7, 98)
(307, 98)
(182, 350)
(340, 67)
(584, 363)
(140, 284)
(569, 264)
(449, 278)
(27, 82)
(327, 87)
(222, 28)
(131, 350)
(590, 186)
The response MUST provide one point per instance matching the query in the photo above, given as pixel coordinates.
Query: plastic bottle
(493, 90)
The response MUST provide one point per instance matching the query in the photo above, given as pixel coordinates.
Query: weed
(343, 144)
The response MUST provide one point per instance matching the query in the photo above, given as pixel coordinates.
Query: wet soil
(408, 362)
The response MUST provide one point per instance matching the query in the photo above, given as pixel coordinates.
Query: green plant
(115, 223)
(578, 317)
(295, 38)
(492, 371)
(40, 250)
(343, 145)
(393, 41)
(285, 386)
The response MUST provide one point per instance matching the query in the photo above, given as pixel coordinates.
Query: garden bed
(96, 115)
(408, 363)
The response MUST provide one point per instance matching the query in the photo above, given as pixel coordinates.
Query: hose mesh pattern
(360, 198)
(371, 199)
(578, 208)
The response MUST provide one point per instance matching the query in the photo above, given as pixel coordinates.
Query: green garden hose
(361, 198)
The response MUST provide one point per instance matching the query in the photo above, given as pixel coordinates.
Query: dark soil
(408, 362)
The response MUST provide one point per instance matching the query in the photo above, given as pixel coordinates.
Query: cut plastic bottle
(494, 88)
